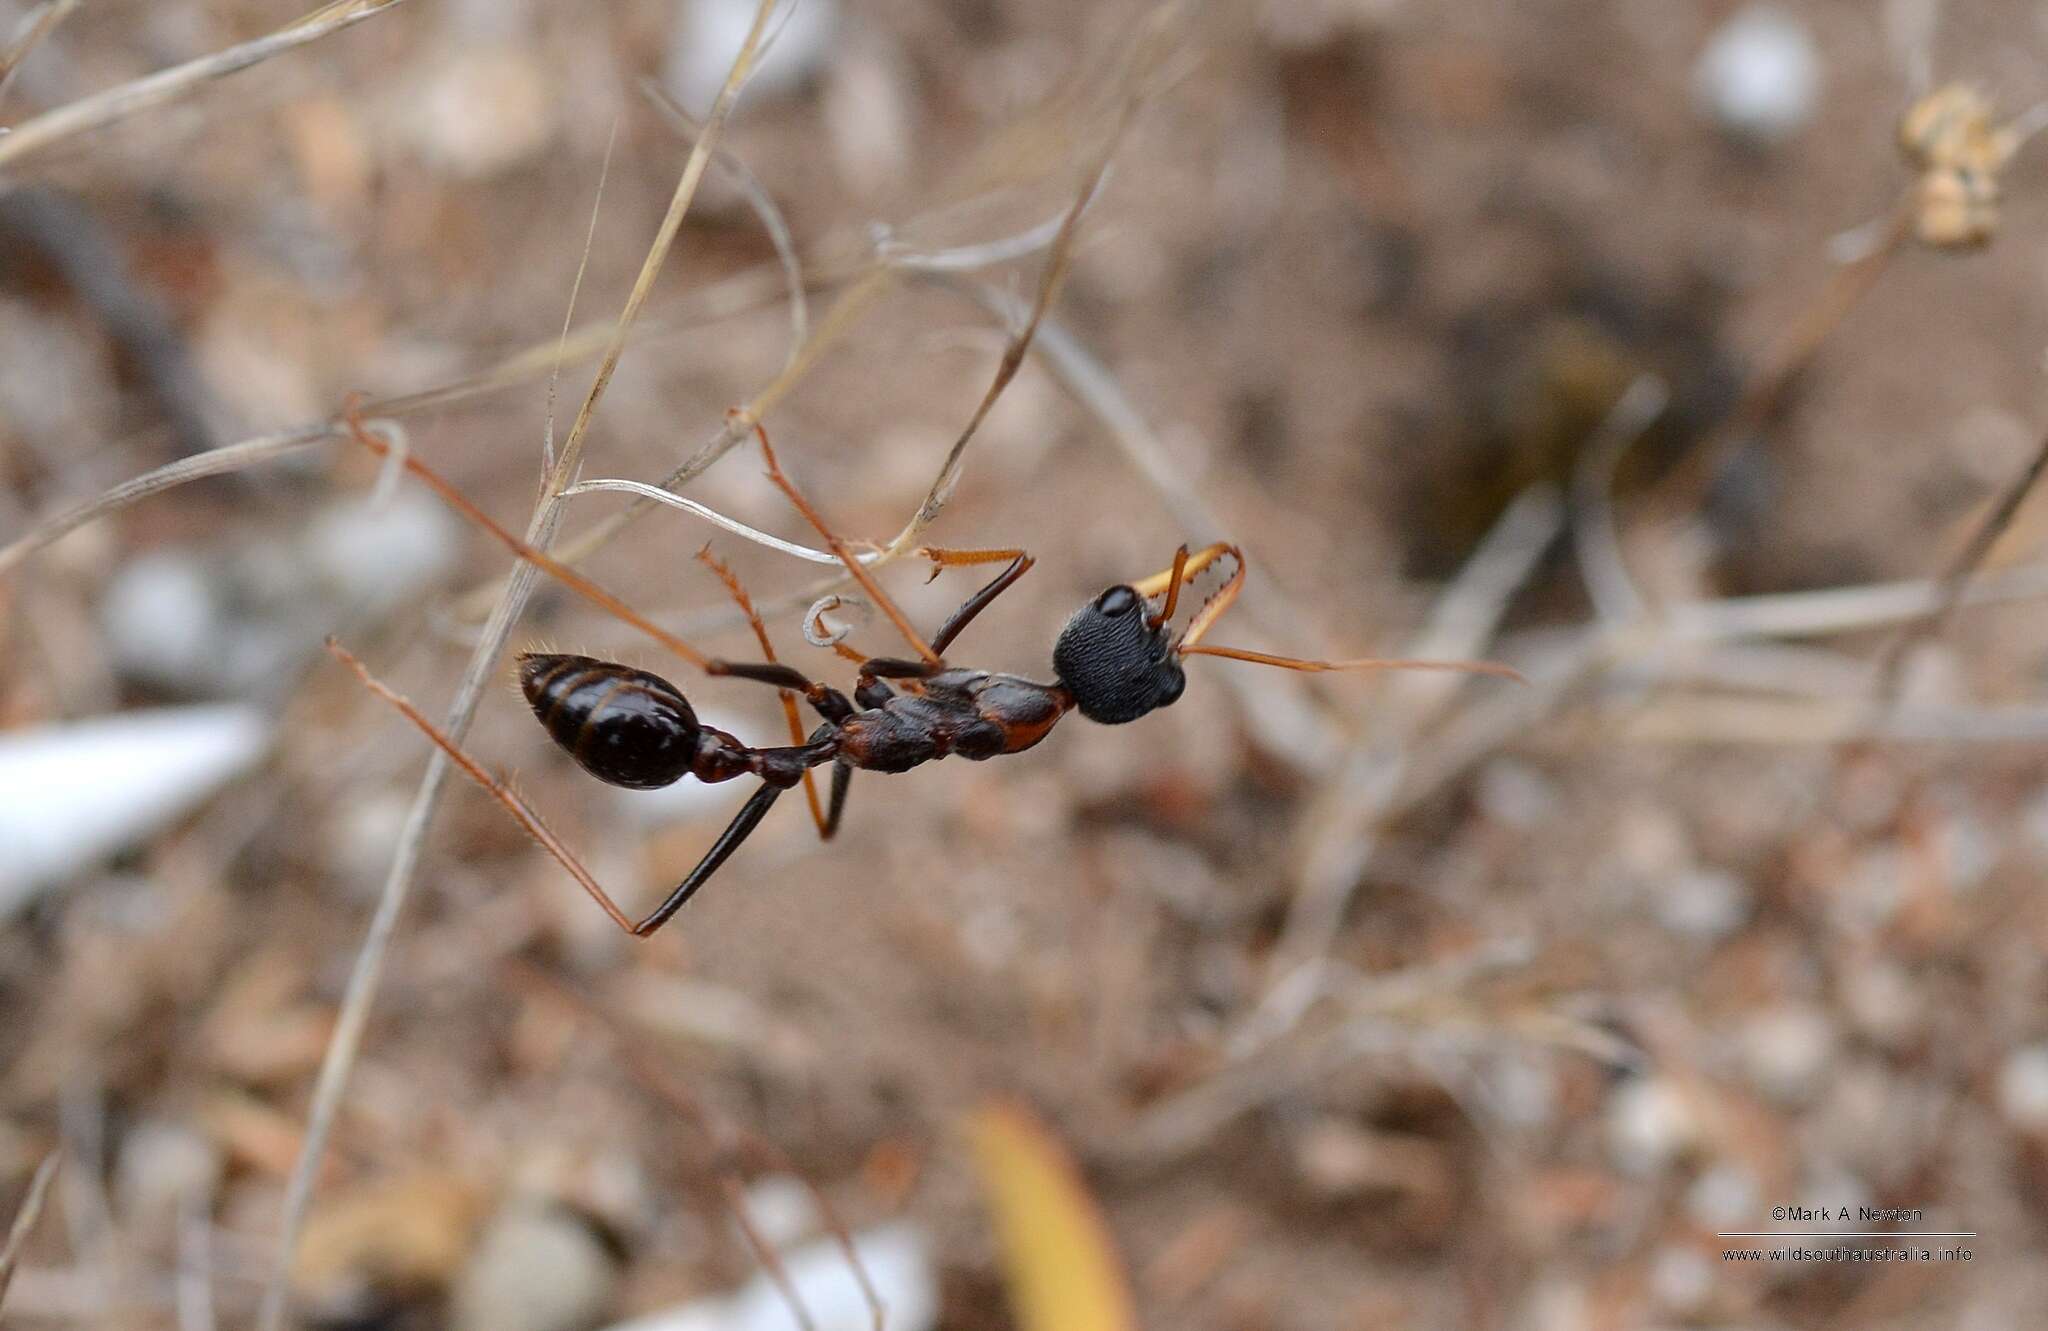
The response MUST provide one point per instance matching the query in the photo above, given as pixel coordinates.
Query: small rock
(708, 35)
(1515, 794)
(1759, 75)
(162, 616)
(377, 555)
(1702, 903)
(895, 1258)
(71, 794)
(1650, 1125)
(783, 1211)
(2023, 1088)
(1881, 1001)
(1786, 1050)
(1723, 1197)
(164, 1166)
(1682, 1279)
(536, 1268)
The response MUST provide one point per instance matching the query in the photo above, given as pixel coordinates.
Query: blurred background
(1686, 356)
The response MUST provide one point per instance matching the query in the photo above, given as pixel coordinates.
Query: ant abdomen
(623, 726)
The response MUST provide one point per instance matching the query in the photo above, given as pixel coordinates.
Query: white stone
(536, 1268)
(1706, 904)
(1759, 76)
(2023, 1088)
(708, 35)
(1649, 1125)
(895, 1258)
(163, 623)
(1722, 1197)
(379, 554)
(1786, 1049)
(70, 794)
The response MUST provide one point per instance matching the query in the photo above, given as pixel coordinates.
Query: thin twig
(1681, 489)
(948, 475)
(133, 98)
(25, 1219)
(40, 26)
(1594, 535)
(547, 437)
(764, 206)
(1955, 579)
(534, 362)
(368, 971)
(660, 496)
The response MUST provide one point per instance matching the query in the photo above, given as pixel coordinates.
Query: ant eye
(1118, 601)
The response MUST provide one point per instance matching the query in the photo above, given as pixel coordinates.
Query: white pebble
(1759, 76)
(1706, 904)
(1649, 1125)
(379, 555)
(2023, 1088)
(708, 34)
(1682, 1279)
(163, 1167)
(894, 1257)
(1786, 1049)
(71, 794)
(1722, 1197)
(1515, 794)
(783, 1211)
(536, 1268)
(162, 620)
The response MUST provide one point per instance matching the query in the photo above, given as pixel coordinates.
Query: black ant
(1115, 661)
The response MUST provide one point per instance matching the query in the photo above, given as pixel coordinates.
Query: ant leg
(1020, 564)
(854, 567)
(540, 559)
(827, 701)
(504, 794)
(790, 682)
(890, 667)
(749, 817)
(842, 777)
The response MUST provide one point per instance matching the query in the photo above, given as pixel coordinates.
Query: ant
(1115, 661)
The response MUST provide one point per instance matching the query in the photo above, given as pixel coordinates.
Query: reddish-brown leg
(854, 567)
(788, 696)
(504, 794)
(540, 559)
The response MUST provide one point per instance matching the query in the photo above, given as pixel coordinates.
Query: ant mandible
(1115, 661)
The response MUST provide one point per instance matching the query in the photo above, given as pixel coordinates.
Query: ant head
(1117, 662)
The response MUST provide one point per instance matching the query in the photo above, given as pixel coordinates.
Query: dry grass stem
(1955, 580)
(34, 29)
(25, 1220)
(368, 970)
(1682, 489)
(132, 98)
(762, 202)
(655, 494)
(1594, 533)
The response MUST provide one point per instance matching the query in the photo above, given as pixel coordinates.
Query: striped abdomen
(624, 726)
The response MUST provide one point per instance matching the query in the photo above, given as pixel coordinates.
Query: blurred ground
(1370, 271)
